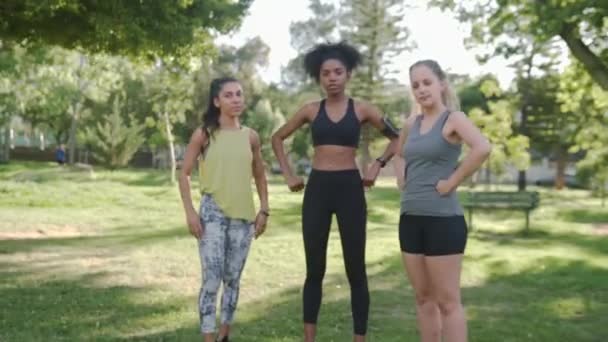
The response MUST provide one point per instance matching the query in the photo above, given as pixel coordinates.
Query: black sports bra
(345, 132)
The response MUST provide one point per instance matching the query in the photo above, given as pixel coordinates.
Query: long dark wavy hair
(211, 117)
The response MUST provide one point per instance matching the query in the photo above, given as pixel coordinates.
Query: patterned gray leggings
(223, 251)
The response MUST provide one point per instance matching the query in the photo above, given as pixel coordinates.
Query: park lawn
(105, 256)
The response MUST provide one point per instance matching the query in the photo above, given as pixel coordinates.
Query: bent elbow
(276, 139)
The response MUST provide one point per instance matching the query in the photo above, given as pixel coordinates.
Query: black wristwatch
(381, 161)
(265, 212)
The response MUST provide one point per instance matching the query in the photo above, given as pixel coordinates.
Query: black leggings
(339, 192)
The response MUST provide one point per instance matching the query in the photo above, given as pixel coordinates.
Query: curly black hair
(348, 55)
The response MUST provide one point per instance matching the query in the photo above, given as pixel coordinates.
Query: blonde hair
(448, 96)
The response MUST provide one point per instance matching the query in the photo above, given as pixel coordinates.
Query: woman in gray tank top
(432, 229)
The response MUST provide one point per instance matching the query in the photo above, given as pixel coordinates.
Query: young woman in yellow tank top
(229, 157)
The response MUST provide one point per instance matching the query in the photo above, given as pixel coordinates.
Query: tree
(265, 121)
(115, 140)
(536, 59)
(322, 27)
(496, 124)
(171, 91)
(581, 25)
(137, 28)
(579, 94)
(552, 130)
(375, 26)
(15, 87)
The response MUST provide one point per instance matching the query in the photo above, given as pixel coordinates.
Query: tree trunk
(521, 181)
(5, 153)
(597, 69)
(77, 107)
(72, 137)
(171, 146)
(488, 181)
(562, 160)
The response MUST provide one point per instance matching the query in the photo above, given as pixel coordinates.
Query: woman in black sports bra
(335, 185)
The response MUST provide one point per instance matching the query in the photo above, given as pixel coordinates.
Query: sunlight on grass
(568, 308)
(111, 259)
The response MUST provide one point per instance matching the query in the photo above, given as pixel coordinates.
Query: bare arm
(372, 115)
(479, 146)
(298, 120)
(399, 161)
(193, 150)
(261, 184)
(259, 174)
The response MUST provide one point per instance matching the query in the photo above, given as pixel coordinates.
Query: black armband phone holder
(389, 131)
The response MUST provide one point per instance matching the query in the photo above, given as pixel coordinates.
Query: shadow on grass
(129, 238)
(538, 237)
(554, 301)
(73, 309)
(585, 215)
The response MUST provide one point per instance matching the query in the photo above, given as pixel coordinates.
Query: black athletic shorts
(432, 235)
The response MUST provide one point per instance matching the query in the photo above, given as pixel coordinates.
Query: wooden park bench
(512, 200)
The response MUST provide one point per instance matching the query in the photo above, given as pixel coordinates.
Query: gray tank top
(429, 158)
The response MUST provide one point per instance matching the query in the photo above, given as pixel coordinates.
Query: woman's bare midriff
(334, 158)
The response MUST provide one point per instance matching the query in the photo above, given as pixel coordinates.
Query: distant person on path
(432, 228)
(60, 154)
(229, 157)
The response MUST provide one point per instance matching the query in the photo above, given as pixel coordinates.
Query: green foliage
(264, 120)
(512, 27)
(549, 127)
(496, 124)
(579, 94)
(115, 139)
(137, 28)
(380, 36)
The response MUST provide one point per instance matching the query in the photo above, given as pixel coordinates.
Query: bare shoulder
(254, 137)
(457, 116)
(309, 109)
(365, 108)
(199, 137)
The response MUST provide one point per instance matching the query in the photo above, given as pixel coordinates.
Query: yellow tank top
(225, 173)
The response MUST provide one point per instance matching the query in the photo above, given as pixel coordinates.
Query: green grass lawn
(107, 257)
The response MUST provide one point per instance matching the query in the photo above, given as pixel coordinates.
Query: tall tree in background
(581, 25)
(376, 28)
(16, 77)
(551, 130)
(117, 137)
(535, 59)
(171, 91)
(579, 94)
(497, 124)
(322, 27)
